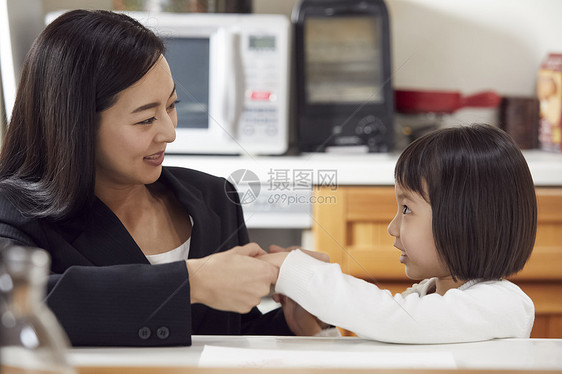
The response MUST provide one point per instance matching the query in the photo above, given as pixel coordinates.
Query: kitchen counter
(351, 169)
(282, 203)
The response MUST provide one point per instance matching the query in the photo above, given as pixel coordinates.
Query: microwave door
(207, 68)
(228, 87)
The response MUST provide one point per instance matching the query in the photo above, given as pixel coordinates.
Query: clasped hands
(237, 279)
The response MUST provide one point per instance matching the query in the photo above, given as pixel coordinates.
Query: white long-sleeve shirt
(473, 312)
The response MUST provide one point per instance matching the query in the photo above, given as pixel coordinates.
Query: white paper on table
(215, 356)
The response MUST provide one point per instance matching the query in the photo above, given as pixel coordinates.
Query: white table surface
(521, 354)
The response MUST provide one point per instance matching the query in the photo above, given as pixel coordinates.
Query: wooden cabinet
(350, 224)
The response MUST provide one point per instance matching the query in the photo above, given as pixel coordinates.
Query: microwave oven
(232, 76)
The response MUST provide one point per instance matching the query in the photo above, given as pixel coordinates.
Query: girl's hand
(299, 320)
(277, 255)
(274, 248)
(275, 259)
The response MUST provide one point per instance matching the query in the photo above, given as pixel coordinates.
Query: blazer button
(144, 333)
(163, 332)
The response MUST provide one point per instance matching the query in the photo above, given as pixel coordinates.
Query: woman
(141, 254)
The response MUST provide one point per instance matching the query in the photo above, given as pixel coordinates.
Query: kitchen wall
(474, 44)
(466, 45)
(2, 112)
(50, 5)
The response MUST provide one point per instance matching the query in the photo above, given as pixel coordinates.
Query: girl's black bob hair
(482, 198)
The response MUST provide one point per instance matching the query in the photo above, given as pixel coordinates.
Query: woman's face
(134, 132)
(413, 236)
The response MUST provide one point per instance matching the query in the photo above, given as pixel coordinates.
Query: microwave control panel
(265, 104)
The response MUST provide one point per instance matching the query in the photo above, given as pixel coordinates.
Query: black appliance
(343, 76)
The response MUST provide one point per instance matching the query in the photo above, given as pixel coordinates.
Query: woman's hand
(232, 280)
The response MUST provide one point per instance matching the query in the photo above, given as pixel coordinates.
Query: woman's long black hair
(74, 70)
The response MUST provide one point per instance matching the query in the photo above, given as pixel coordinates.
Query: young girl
(466, 219)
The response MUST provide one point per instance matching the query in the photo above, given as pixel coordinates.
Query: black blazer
(104, 291)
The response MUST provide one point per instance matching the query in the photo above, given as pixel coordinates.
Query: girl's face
(134, 132)
(413, 236)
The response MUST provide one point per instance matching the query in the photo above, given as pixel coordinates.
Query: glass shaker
(31, 339)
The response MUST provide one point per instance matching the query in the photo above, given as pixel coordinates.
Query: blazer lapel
(206, 224)
(105, 241)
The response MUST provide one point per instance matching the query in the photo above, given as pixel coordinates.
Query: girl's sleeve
(487, 310)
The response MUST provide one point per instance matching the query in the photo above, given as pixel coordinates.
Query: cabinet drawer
(353, 231)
